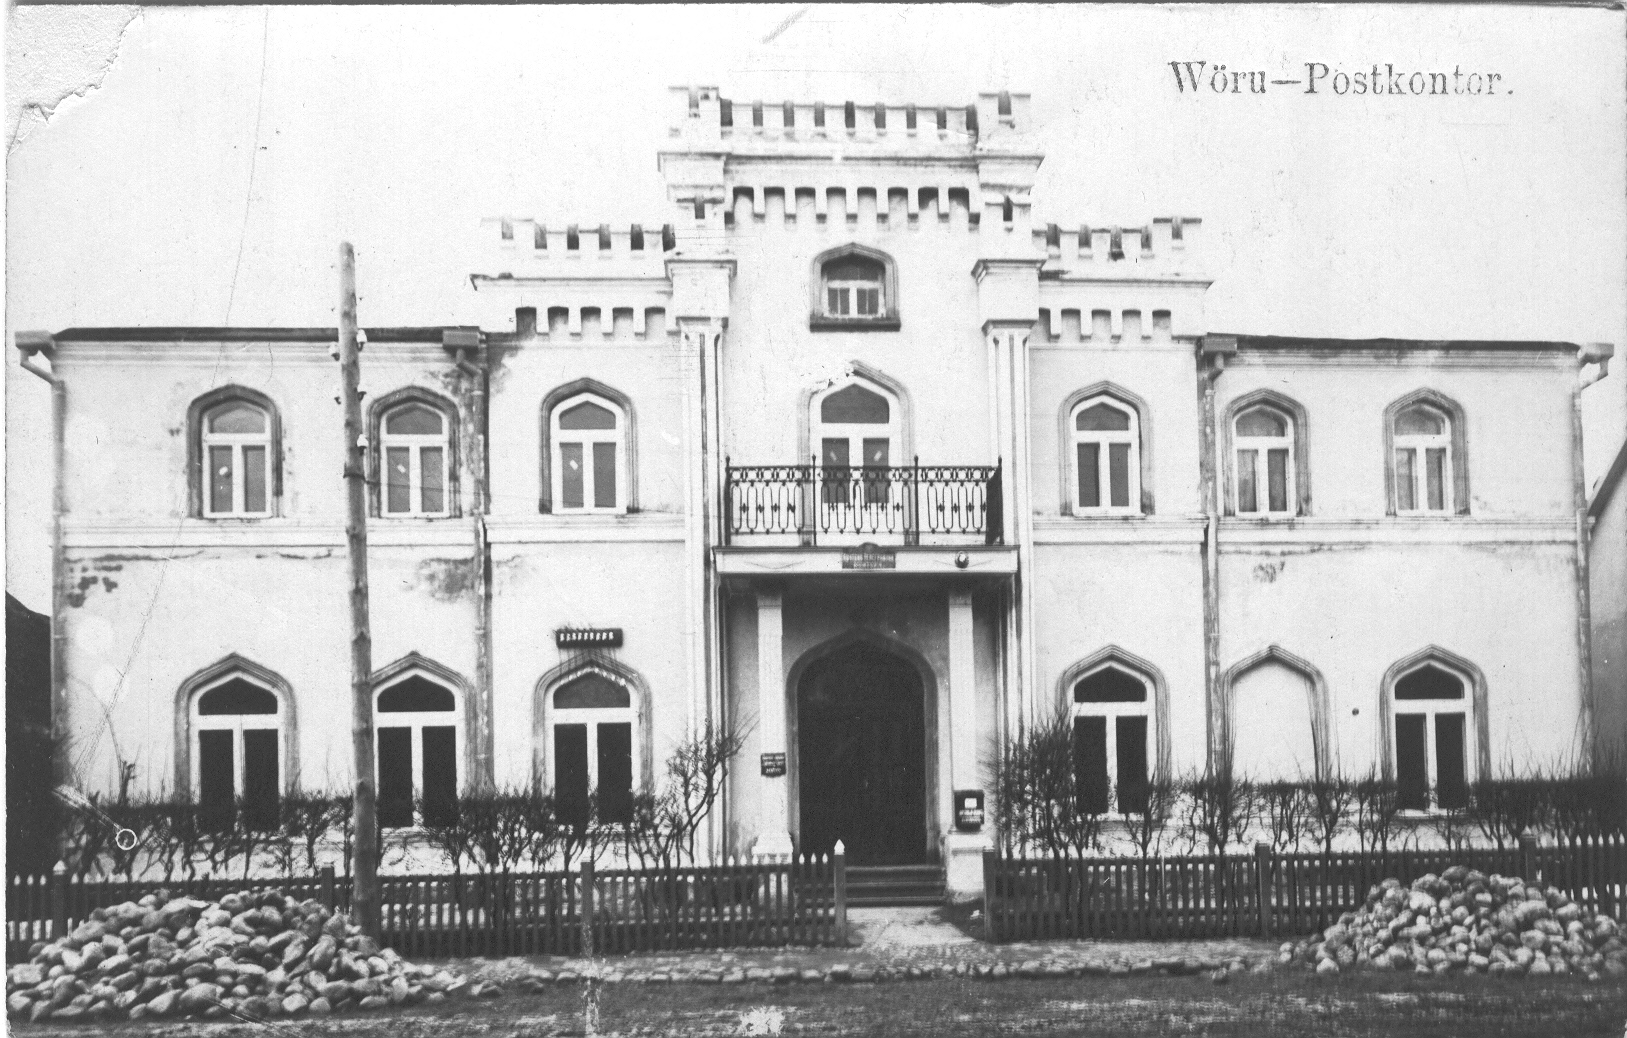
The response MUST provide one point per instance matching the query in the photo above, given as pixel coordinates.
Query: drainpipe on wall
(1212, 353)
(1591, 353)
(468, 343)
(32, 344)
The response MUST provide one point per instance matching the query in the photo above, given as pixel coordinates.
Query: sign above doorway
(869, 556)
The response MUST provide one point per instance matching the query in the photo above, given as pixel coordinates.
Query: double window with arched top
(235, 443)
(855, 287)
(1426, 456)
(1263, 439)
(589, 455)
(236, 756)
(592, 722)
(1112, 740)
(1432, 734)
(1107, 465)
(416, 454)
(419, 730)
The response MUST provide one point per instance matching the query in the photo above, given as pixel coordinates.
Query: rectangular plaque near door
(773, 765)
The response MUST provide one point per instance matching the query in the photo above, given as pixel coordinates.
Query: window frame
(379, 440)
(237, 724)
(1261, 446)
(415, 444)
(1419, 445)
(628, 459)
(199, 439)
(558, 438)
(856, 493)
(236, 443)
(1104, 438)
(1146, 707)
(549, 717)
(820, 316)
(416, 721)
(1476, 735)
(1299, 467)
(1430, 709)
(1457, 454)
(213, 676)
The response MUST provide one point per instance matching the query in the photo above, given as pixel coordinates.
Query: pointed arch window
(855, 287)
(588, 433)
(1112, 716)
(419, 731)
(593, 722)
(1263, 441)
(235, 454)
(1426, 456)
(1107, 457)
(1431, 736)
(236, 753)
(417, 456)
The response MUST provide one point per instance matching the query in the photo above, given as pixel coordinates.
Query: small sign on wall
(969, 810)
(773, 765)
(588, 637)
(869, 556)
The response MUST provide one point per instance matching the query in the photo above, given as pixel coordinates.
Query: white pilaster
(963, 851)
(774, 799)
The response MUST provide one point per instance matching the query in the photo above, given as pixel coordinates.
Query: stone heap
(248, 956)
(1465, 920)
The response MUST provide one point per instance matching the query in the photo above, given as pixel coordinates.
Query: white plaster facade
(708, 339)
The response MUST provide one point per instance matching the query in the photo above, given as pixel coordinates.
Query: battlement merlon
(1169, 243)
(703, 120)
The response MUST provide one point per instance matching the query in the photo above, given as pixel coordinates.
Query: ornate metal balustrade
(814, 502)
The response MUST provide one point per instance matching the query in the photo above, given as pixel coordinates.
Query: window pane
(1261, 422)
(869, 301)
(1451, 789)
(1276, 462)
(432, 464)
(571, 773)
(1406, 494)
(1429, 682)
(260, 778)
(1118, 471)
(1110, 685)
(587, 415)
(877, 451)
(1435, 473)
(1419, 421)
(397, 497)
(220, 479)
(616, 772)
(1411, 766)
(1247, 499)
(215, 776)
(395, 777)
(416, 695)
(854, 405)
(834, 455)
(237, 418)
(1103, 418)
(1090, 476)
(236, 697)
(838, 302)
(853, 268)
(254, 479)
(414, 420)
(1090, 763)
(876, 454)
(833, 301)
(591, 691)
(604, 475)
(570, 475)
(1132, 777)
(440, 772)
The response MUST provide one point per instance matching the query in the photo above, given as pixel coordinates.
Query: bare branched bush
(1377, 812)
(1329, 802)
(1284, 807)
(1041, 803)
(1221, 808)
(1148, 827)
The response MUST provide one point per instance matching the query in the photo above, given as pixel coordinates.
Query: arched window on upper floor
(235, 446)
(1267, 458)
(854, 287)
(1426, 456)
(414, 455)
(589, 450)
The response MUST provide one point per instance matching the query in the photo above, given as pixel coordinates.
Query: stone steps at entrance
(883, 885)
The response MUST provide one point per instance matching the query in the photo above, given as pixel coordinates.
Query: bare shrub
(1377, 812)
(1040, 802)
(1284, 807)
(1329, 799)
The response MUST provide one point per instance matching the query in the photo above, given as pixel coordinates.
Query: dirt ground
(1252, 1005)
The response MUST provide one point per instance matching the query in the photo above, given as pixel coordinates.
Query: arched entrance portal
(861, 756)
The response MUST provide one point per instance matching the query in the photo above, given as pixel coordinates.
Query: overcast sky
(228, 150)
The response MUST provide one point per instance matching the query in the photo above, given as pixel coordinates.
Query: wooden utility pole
(365, 893)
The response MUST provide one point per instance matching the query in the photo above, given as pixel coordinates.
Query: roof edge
(426, 333)
(1279, 342)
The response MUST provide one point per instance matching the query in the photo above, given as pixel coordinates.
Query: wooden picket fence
(801, 902)
(1260, 894)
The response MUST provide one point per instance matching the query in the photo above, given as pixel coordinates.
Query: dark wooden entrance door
(861, 757)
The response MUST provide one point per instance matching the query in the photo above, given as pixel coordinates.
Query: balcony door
(859, 495)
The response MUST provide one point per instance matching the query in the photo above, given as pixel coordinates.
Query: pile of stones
(247, 956)
(1464, 920)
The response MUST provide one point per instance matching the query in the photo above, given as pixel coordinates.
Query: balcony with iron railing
(820, 505)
